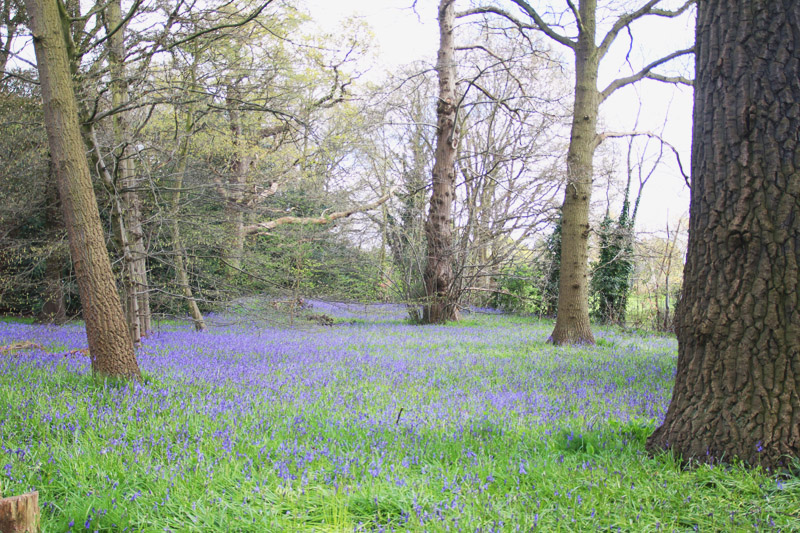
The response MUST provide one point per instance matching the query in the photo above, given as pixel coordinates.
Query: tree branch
(242, 22)
(626, 20)
(646, 73)
(487, 10)
(264, 227)
(577, 14)
(619, 134)
(539, 23)
(543, 26)
(678, 80)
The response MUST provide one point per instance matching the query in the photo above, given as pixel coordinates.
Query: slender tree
(737, 389)
(11, 17)
(572, 321)
(440, 306)
(110, 344)
(129, 224)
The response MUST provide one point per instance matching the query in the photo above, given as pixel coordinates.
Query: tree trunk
(737, 388)
(572, 319)
(237, 180)
(110, 344)
(54, 310)
(440, 305)
(11, 20)
(135, 290)
(183, 277)
(20, 514)
(178, 251)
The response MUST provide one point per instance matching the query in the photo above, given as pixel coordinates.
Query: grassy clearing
(368, 426)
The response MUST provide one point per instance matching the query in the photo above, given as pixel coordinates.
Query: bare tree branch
(481, 48)
(678, 80)
(543, 26)
(486, 10)
(646, 73)
(619, 134)
(242, 22)
(539, 23)
(626, 20)
(577, 14)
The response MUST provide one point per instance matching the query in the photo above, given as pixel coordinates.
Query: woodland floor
(367, 425)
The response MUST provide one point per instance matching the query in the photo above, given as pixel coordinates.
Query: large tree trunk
(135, 290)
(110, 344)
(572, 319)
(737, 389)
(440, 304)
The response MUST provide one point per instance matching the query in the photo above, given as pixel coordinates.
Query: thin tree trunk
(440, 305)
(10, 20)
(179, 253)
(54, 310)
(572, 319)
(237, 180)
(137, 299)
(110, 346)
(737, 388)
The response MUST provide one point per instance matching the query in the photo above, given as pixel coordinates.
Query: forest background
(211, 131)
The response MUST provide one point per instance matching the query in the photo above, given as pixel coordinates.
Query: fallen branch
(14, 347)
(264, 227)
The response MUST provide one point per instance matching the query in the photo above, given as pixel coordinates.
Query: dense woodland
(212, 132)
(170, 159)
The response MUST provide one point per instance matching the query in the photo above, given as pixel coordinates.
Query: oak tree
(737, 389)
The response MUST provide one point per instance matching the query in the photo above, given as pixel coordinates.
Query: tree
(572, 321)
(440, 306)
(507, 161)
(611, 274)
(110, 344)
(11, 18)
(124, 186)
(737, 388)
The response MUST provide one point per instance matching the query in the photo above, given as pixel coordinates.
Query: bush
(519, 291)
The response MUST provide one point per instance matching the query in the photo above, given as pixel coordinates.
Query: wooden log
(20, 514)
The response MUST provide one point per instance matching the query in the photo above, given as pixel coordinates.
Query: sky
(405, 35)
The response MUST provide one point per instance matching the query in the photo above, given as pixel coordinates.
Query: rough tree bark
(440, 304)
(110, 344)
(737, 389)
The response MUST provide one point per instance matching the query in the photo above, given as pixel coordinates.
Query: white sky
(404, 36)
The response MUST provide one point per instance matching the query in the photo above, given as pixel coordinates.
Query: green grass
(17, 319)
(320, 444)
